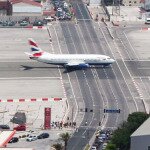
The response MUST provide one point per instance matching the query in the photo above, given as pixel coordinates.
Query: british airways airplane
(67, 60)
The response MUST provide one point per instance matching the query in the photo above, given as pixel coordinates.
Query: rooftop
(144, 129)
(27, 2)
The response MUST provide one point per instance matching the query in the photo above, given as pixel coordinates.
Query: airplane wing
(74, 64)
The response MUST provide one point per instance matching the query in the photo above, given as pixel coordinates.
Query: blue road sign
(111, 110)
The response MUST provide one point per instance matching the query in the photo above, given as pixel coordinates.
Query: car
(93, 148)
(20, 128)
(43, 136)
(5, 23)
(11, 23)
(49, 18)
(31, 138)
(24, 23)
(38, 23)
(14, 140)
(59, 9)
(104, 146)
(4, 127)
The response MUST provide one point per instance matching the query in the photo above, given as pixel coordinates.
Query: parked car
(11, 23)
(31, 138)
(14, 140)
(4, 127)
(93, 148)
(24, 23)
(5, 23)
(49, 18)
(104, 146)
(38, 23)
(43, 136)
(20, 128)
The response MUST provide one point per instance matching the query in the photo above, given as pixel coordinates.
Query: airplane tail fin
(34, 46)
(35, 50)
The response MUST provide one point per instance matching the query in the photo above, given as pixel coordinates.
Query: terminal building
(140, 139)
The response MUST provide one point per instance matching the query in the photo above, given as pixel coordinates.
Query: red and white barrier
(145, 29)
(21, 100)
(36, 27)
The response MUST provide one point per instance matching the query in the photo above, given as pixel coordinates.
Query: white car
(50, 18)
(59, 9)
(93, 148)
(31, 138)
(104, 146)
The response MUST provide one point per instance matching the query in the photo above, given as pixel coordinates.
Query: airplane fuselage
(63, 59)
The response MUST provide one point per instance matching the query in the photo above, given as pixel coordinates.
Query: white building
(26, 7)
(140, 139)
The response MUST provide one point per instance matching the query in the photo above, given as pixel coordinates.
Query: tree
(121, 136)
(58, 146)
(65, 137)
(110, 146)
(136, 119)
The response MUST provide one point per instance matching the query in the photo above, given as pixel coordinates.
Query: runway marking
(13, 78)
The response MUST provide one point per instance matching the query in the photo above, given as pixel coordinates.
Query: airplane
(67, 60)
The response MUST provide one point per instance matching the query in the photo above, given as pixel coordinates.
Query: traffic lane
(108, 94)
(28, 69)
(78, 14)
(121, 73)
(86, 36)
(84, 11)
(87, 73)
(58, 40)
(78, 141)
(77, 43)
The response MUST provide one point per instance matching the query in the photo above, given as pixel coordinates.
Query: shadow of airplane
(66, 70)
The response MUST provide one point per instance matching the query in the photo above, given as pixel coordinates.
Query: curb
(110, 32)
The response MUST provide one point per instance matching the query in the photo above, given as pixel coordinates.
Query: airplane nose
(112, 60)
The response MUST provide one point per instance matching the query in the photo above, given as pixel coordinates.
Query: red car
(20, 128)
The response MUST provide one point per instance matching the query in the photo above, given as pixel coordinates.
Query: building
(145, 4)
(5, 7)
(26, 8)
(140, 139)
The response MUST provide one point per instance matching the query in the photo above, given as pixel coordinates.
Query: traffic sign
(111, 110)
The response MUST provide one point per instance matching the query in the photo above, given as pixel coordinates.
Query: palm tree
(65, 137)
(58, 146)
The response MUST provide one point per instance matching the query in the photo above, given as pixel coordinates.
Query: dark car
(20, 128)
(43, 136)
(4, 127)
(11, 23)
(38, 23)
(14, 140)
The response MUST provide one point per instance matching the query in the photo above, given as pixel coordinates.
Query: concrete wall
(95, 1)
(140, 142)
(25, 8)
